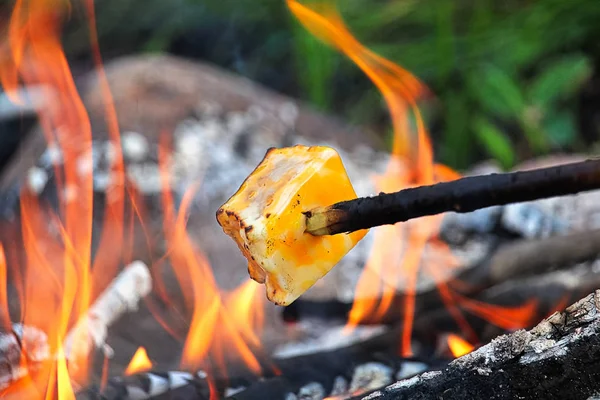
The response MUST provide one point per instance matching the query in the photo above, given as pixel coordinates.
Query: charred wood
(359, 367)
(22, 349)
(121, 296)
(151, 385)
(557, 359)
(355, 368)
(510, 262)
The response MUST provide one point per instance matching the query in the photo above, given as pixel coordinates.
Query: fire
(390, 266)
(60, 278)
(212, 328)
(458, 346)
(139, 362)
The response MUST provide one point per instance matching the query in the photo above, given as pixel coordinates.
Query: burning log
(359, 367)
(557, 359)
(20, 349)
(462, 195)
(122, 296)
(510, 262)
(25, 347)
(152, 385)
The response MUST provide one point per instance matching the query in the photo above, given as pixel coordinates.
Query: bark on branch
(462, 195)
(557, 359)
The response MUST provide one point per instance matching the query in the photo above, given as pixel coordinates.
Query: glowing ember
(139, 362)
(458, 346)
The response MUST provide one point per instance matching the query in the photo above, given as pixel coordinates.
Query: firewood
(31, 344)
(461, 196)
(557, 359)
(360, 366)
(121, 296)
(512, 261)
(151, 385)
(22, 343)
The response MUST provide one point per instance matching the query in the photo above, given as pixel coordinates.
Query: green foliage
(494, 141)
(507, 75)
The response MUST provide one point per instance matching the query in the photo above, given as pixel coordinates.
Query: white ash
(410, 368)
(331, 339)
(339, 387)
(502, 348)
(373, 395)
(51, 157)
(430, 375)
(37, 178)
(135, 146)
(231, 391)
(311, 391)
(121, 296)
(35, 342)
(25, 342)
(146, 177)
(530, 220)
(370, 376)
(404, 383)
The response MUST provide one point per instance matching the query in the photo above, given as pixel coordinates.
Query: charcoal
(356, 368)
(151, 385)
(558, 359)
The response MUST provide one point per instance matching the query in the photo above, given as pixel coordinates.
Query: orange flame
(213, 331)
(411, 164)
(139, 362)
(59, 278)
(458, 346)
(398, 251)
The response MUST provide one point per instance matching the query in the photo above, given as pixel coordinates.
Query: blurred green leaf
(315, 63)
(497, 92)
(457, 141)
(561, 129)
(560, 79)
(494, 141)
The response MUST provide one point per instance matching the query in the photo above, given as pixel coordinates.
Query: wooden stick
(558, 359)
(462, 195)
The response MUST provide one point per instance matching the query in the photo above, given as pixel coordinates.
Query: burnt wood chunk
(557, 359)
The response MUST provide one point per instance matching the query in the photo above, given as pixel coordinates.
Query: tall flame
(392, 266)
(213, 327)
(60, 278)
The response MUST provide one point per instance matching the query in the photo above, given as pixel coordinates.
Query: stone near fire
(265, 219)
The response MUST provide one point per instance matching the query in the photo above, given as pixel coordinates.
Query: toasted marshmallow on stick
(264, 217)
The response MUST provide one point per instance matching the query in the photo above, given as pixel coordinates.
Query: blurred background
(511, 80)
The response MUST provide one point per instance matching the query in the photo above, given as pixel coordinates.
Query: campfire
(108, 292)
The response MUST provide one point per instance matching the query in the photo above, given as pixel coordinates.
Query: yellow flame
(458, 346)
(139, 362)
